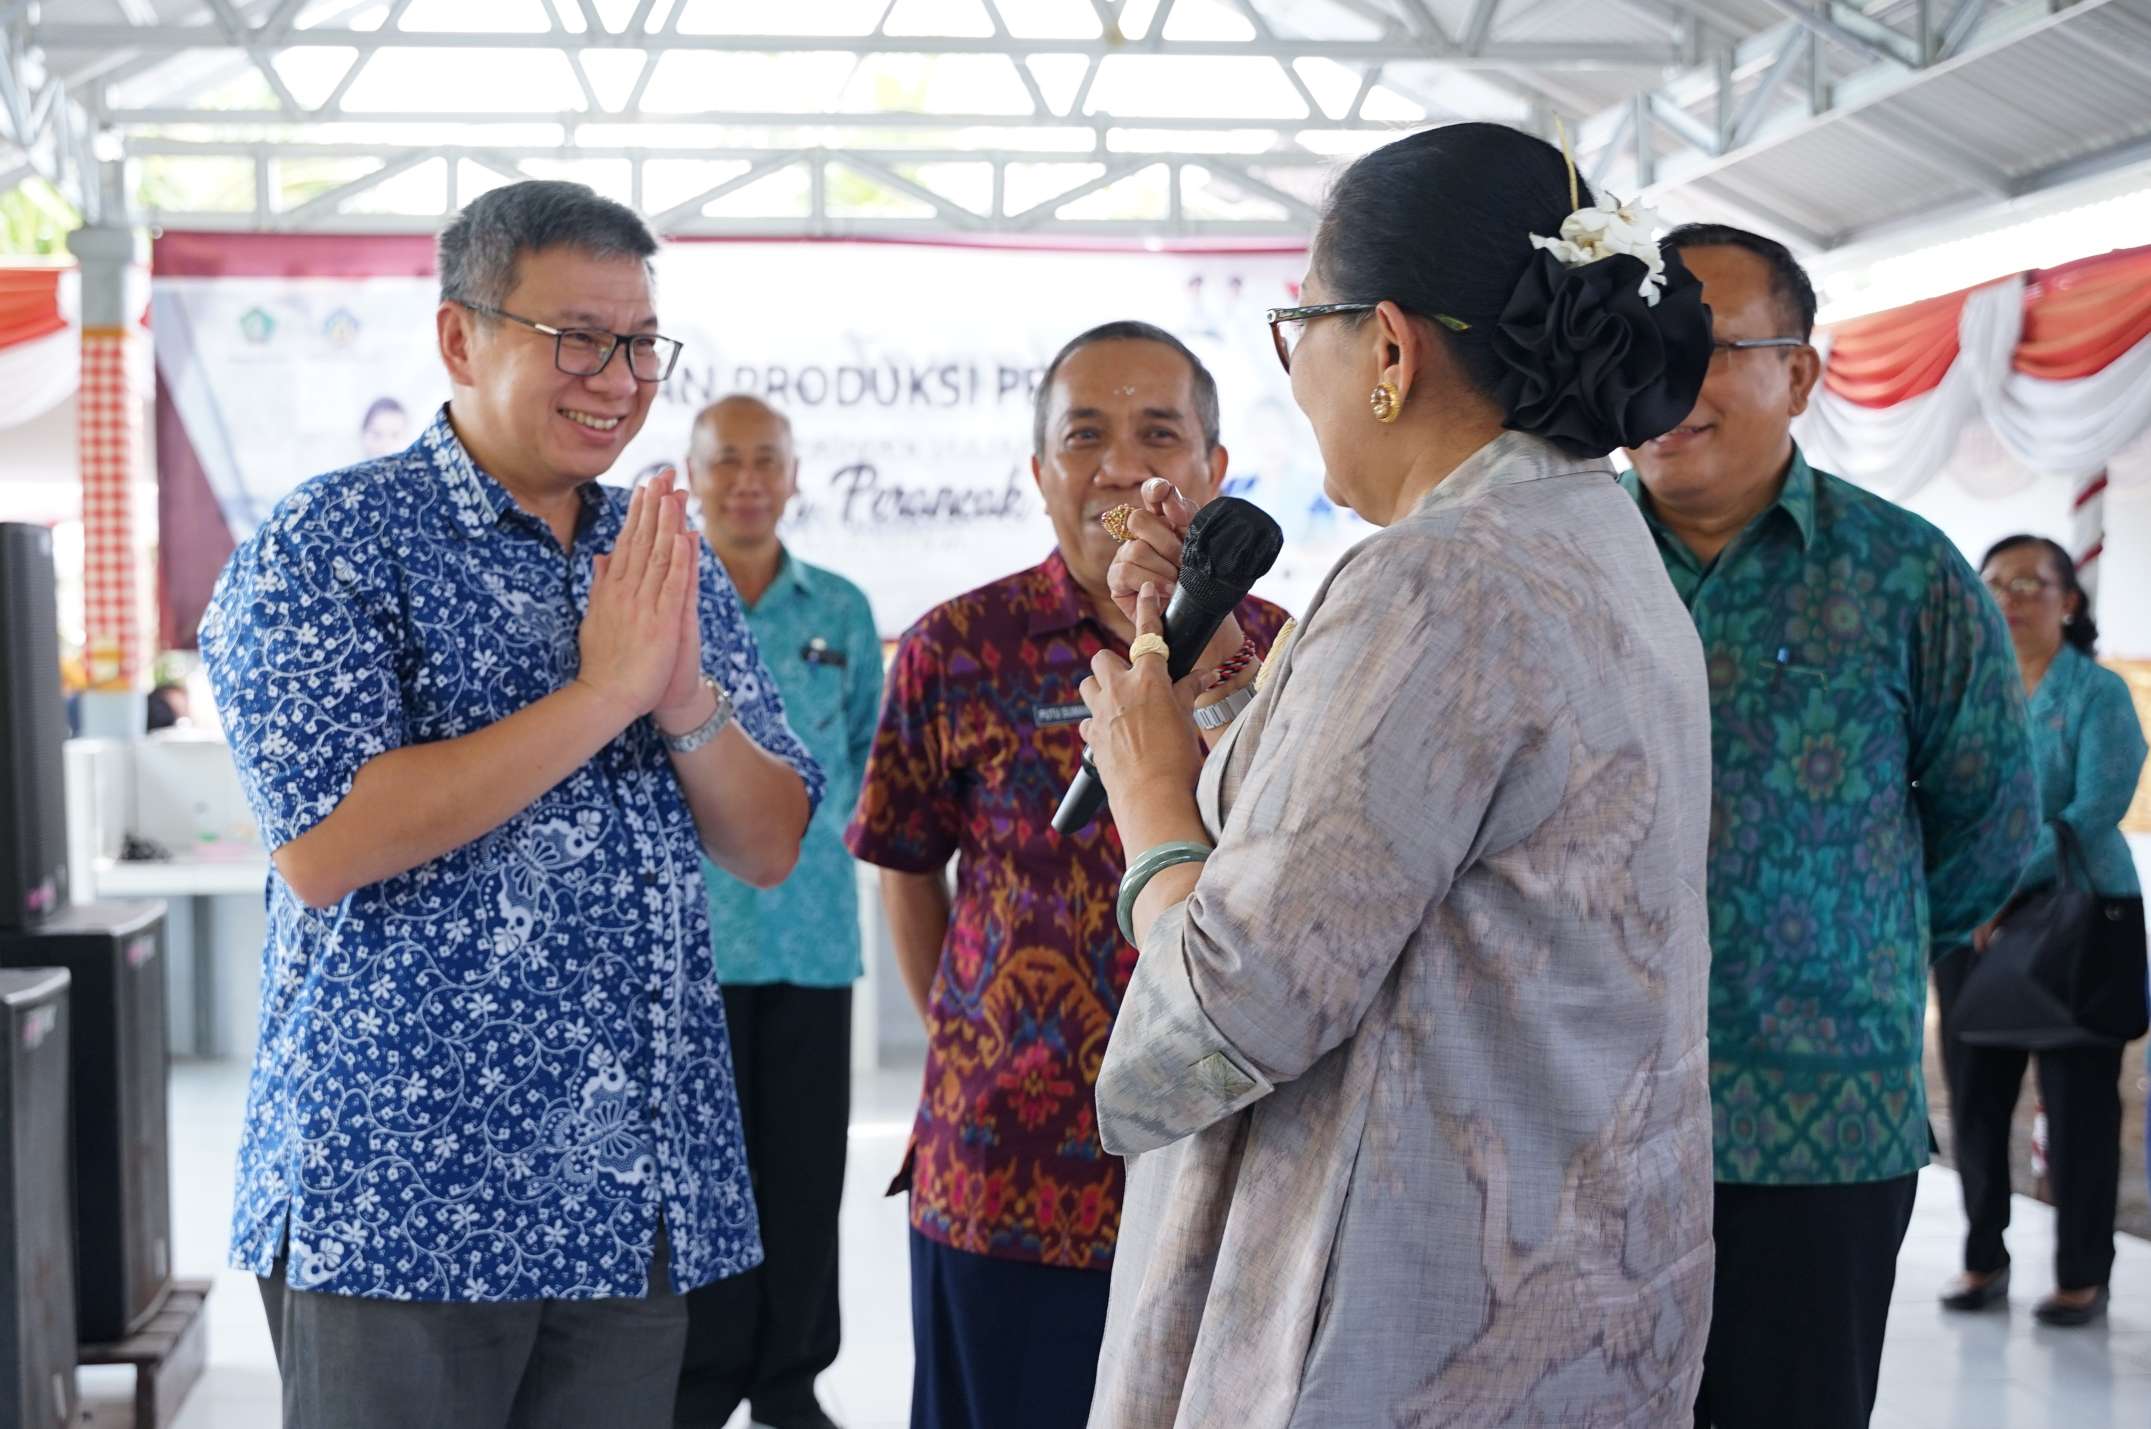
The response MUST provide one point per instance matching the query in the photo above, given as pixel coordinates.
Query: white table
(214, 927)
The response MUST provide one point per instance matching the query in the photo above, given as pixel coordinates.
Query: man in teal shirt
(1873, 803)
(786, 957)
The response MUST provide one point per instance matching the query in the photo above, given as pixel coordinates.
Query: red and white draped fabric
(2042, 374)
(40, 363)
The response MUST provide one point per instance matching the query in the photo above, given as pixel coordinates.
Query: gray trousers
(354, 1363)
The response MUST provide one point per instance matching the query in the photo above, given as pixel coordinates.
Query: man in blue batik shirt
(786, 956)
(490, 716)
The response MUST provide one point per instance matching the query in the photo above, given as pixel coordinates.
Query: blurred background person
(2089, 750)
(386, 429)
(786, 956)
(168, 706)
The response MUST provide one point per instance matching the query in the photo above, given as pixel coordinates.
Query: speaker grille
(122, 1139)
(37, 1273)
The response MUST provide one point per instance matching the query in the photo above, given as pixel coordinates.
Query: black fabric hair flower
(1593, 364)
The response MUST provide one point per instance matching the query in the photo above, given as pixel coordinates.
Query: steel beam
(1855, 31)
(1795, 47)
(1044, 209)
(888, 178)
(1480, 26)
(673, 217)
(1551, 54)
(1238, 176)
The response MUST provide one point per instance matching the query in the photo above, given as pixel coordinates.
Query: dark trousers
(762, 1337)
(1002, 1344)
(1803, 1295)
(2081, 1087)
(352, 1363)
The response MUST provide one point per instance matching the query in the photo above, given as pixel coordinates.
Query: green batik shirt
(816, 634)
(1873, 801)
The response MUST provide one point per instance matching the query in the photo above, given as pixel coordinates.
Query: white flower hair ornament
(1606, 229)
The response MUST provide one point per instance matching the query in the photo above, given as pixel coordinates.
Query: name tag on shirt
(1045, 715)
(820, 652)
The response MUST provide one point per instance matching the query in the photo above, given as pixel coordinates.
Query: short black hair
(2082, 632)
(1130, 330)
(1789, 283)
(478, 250)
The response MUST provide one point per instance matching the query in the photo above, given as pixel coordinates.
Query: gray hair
(479, 248)
(1130, 330)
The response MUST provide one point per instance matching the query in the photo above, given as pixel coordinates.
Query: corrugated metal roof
(2044, 91)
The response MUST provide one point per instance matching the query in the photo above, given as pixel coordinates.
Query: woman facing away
(2089, 749)
(1411, 1076)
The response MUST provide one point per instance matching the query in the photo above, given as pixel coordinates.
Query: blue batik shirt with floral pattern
(491, 1077)
(1873, 801)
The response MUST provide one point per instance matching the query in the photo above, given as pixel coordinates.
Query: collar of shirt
(481, 503)
(792, 573)
(2058, 686)
(1796, 500)
(1511, 459)
(1059, 604)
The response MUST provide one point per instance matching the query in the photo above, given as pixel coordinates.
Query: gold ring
(1115, 521)
(1150, 644)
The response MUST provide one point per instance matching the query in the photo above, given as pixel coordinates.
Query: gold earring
(1387, 402)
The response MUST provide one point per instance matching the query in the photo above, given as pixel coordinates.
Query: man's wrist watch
(706, 731)
(1223, 712)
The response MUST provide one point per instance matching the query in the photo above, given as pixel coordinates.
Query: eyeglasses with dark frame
(1295, 319)
(1728, 346)
(584, 352)
(2019, 587)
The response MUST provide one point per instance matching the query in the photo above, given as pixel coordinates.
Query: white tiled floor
(1991, 1371)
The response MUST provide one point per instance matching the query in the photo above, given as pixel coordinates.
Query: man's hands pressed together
(641, 636)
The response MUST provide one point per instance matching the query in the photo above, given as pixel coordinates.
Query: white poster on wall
(907, 370)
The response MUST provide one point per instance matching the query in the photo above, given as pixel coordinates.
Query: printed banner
(907, 370)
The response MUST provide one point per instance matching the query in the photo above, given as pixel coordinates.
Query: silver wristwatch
(1226, 710)
(708, 730)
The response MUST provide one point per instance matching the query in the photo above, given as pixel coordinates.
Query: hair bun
(1591, 361)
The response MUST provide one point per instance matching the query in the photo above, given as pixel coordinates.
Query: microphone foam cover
(1231, 542)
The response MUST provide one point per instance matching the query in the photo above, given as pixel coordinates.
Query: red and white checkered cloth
(110, 446)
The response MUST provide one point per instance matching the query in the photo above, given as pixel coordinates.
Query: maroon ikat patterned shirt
(976, 746)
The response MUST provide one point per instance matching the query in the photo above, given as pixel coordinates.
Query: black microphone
(1230, 545)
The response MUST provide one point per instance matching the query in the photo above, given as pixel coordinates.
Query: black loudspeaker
(123, 1175)
(33, 726)
(37, 1223)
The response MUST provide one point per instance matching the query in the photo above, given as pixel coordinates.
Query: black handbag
(2065, 967)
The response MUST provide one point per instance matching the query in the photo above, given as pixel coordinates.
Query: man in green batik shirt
(1873, 804)
(786, 957)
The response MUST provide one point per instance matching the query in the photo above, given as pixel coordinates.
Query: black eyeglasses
(584, 352)
(1288, 325)
(1726, 347)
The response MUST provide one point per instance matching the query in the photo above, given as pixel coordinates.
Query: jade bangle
(1149, 865)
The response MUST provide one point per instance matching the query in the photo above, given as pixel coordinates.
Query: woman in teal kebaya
(2089, 750)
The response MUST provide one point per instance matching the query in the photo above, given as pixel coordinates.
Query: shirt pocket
(1838, 732)
(821, 691)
